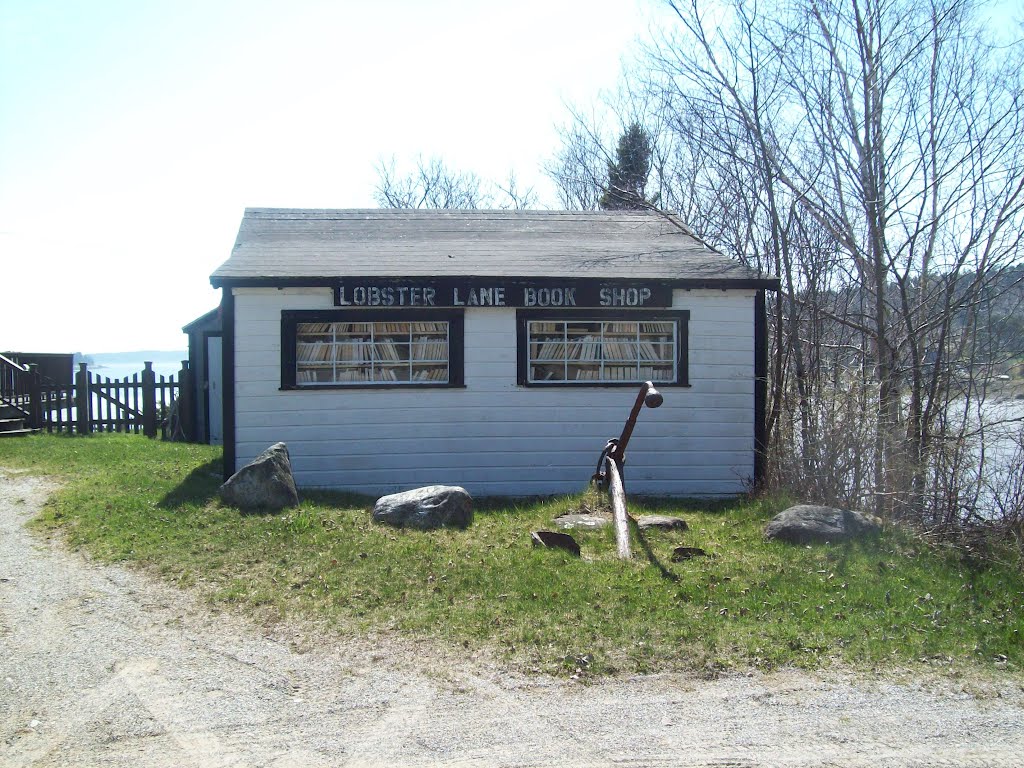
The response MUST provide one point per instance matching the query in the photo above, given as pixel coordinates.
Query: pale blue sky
(134, 133)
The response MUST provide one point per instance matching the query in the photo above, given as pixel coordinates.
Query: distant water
(125, 367)
(1002, 437)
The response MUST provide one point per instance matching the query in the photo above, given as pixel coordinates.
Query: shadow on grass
(338, 499)
(198, 487)
(654, 560)
(868, 547)
(201, 484)
(672, 505)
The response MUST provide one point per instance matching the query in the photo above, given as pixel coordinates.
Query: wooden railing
(144, 402)
(15, 384)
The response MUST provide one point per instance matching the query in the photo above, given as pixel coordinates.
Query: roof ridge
(302, 243)
(475, 212)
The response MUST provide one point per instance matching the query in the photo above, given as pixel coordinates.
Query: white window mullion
(602, 376)
(565, 351)
(334, 353)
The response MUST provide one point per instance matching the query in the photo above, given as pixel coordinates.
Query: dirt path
(103, 666)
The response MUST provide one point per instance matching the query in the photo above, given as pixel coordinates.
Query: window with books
(364, 350)
(591, 349)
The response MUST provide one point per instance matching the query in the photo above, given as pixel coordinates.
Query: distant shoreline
(1012, 389)
(145, 354)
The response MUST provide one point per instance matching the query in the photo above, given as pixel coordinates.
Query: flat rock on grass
(815, 524)
(433, 506)
(661, 522)
(581, 522)
(555, 540)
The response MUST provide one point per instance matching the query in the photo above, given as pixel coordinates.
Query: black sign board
(501, 292)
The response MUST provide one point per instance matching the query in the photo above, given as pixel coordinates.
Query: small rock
(264, 483)
(433, 506)
(686, 553)
(555, 540)
(582, 522)
(662, 522)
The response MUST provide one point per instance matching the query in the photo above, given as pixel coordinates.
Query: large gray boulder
(434, 506)
(265, 483)
(814, 524)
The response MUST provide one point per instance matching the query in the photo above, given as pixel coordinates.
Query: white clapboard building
(496, 350)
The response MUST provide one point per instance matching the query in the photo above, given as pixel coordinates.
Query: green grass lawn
(887, 603)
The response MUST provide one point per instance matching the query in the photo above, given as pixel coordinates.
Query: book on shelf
(630, 328)
(430, 327)
(309, 351)
(585, 348)
(551, 350)
(430, 350)
(386, 351)
(619, 351)
(657, 328)
(656, 353)
(355, 351)
(437, 373)
(536, 327)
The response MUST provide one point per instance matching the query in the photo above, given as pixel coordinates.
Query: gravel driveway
(102, 666)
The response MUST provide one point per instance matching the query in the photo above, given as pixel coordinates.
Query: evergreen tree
(627, 176)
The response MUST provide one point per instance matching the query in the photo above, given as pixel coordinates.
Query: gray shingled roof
(288, 246)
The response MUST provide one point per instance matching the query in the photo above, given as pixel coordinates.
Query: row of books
(430, 374)
(330, 376)
(377, 329)
(417, 350)
(593, 348)
(360, 350)
(595, 373)
(368, 374)
(561, 328)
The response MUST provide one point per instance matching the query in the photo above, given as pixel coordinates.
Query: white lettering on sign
(549, 297)
(386, 296)
(624, 297)
(497, 294)
(479, 297)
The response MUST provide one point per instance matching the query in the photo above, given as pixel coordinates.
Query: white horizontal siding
(494, 437)
(484, 422)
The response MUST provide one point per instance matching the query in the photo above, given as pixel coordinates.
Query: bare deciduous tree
(870, 153)
(432, 184)
(897, 129)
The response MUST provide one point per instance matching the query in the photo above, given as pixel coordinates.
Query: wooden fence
(144, 402)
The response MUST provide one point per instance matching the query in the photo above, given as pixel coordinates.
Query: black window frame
(456, 344)
(681, 317)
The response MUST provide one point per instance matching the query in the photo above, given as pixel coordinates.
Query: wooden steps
(11, 425)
